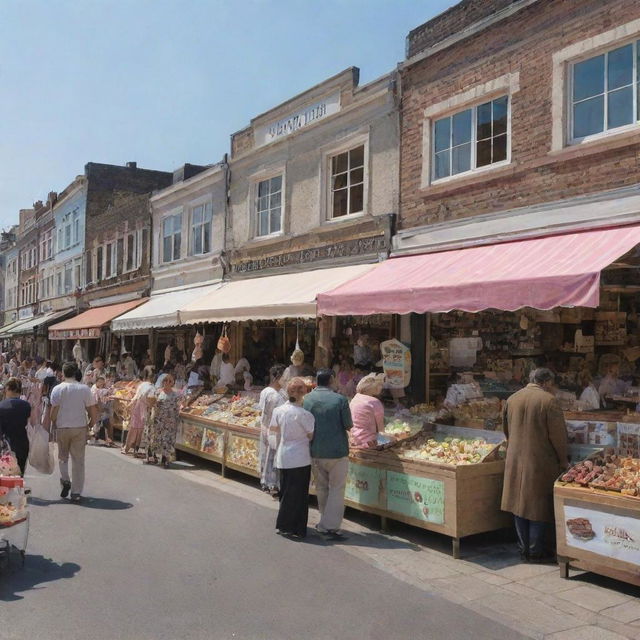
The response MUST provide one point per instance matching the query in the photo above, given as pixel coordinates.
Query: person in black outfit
(14, 415)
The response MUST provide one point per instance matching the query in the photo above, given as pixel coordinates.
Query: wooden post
(427, 355)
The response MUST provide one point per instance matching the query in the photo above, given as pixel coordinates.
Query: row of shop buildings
(496, 168)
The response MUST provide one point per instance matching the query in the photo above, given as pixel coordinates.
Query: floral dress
(163, 426)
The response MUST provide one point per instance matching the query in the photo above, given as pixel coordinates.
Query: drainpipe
(227, 216)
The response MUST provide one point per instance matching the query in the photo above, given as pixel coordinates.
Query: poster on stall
(365, 485)
(629, 440)
(609, 535)
(396, 363)
(420, 498)
(190, 436)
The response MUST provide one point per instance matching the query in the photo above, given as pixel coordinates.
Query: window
(347, 183)
(110, 262)
(77, 273)
(269, 206)
(604, 91)
(201, 229)
(50, 243)
(68, 277)
(59, 282)
(132, 258)
(473, 138)
(172, 234)
(88, 275)
(76, 227)
(99, 263)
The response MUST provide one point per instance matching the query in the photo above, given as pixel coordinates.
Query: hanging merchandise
(78, 354)
(297, 357)
(224, 344)
(197, 350)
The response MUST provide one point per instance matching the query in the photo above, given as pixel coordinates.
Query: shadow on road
(352, 539)
(37, 570)
(107, 504)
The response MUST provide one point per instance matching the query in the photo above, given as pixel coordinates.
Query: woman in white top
(292, 428)
(227, 372)
(270, 398)
(590, 398)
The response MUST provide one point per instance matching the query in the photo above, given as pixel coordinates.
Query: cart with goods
(14, 516)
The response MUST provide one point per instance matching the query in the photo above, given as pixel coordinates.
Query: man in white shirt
(73, 413)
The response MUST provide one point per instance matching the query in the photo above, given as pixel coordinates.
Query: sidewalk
(490, 579)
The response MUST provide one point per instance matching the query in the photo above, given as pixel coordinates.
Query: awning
(556, 271)
(4, 331)
(290, 295)
(160, 310)
(30, 325)
(89, 324)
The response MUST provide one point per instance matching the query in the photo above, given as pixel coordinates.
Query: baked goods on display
(606, 471)
(213, 442)
(446, 450)
(243, 452)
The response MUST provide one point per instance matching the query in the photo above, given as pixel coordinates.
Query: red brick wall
(523, 43)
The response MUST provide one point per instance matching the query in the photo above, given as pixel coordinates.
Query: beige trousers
(72, 441)
(330, 476)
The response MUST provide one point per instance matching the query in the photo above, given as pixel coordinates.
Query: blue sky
(164, 82)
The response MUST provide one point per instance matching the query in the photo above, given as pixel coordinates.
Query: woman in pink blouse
(367, 412)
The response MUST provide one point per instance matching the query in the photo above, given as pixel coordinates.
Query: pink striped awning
(543, 273)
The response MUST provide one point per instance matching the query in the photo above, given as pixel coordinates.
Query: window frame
(635, 85)
(205, 204)
(255, 191)
(172, 216)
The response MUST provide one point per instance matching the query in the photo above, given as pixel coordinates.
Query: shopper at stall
(100, 393)
(346, 378)
(139, 410)
(127, 367)
(536, 454)
(73, 410)
(14, 415)
(163, 430)
(93, 371)
(611, 385)
(329, 450)
(227, 372)
(166, 370)
(367, 412)
(271, 397)
(589, 398)
(290, 430)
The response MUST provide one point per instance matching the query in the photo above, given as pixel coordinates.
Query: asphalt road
(153, 555)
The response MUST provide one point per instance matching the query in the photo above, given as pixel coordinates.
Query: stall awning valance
(88, 325)
(4, 331)
(160, 310)
(290, 295)
(40, 321)
(543, 273)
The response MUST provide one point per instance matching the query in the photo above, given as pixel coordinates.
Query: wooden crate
(603, 504)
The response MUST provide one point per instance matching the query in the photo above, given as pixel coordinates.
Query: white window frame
(134, 260)
(192, 207)
(110, 261)
(326, 207)
(173, 258)
(255, 187)
(67, 268)
(75, 229)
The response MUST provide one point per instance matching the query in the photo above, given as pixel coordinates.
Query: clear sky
(164, 82)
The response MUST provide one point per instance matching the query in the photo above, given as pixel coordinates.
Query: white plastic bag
(41, 456)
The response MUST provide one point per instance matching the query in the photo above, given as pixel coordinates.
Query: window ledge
(468, 179)
(272, 237)
(604, 143)
(344, 219)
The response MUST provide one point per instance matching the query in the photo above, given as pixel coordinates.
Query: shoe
(336, 534)
(75, 497)
(321, 531)
(66, 487)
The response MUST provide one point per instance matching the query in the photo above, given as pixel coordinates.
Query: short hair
(98, 359)
(14, 385)
(542, 375)
(276, 371)
(295, 387)
(370, 385)
(323, 377)
(69, 369)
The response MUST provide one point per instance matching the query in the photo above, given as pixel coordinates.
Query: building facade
(9, 275)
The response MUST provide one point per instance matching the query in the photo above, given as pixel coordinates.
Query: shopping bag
(41, 456)
(8, 461)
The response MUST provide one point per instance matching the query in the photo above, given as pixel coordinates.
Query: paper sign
(612, 536)
(396, 363)
(190, 436)
(365, 485)
(629, 440)
(420, 498)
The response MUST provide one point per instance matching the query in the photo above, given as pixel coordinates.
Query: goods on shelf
(9, 465)
(607, 471)
(243, 452)
(448, 450)
(125, 390)
(192, 437)
(479, 409)
(402, 428)
(7, 513)
(213, 442)
(423, 408)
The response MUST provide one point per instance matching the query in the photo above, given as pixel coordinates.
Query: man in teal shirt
(329, 450)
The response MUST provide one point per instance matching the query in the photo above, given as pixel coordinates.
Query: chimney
(52, 197)
(132, 165)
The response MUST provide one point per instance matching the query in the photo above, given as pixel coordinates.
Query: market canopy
(23, 328)
(89, 324)
(543, 273)
(290, 295)
(4, 331)
(160, 310)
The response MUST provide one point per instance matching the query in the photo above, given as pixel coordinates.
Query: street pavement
(154, 554)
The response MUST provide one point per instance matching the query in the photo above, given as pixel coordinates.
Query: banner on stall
(396, 363)
(365, 485)
(419, 498)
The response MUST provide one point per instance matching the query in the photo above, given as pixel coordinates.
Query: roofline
(187, 184)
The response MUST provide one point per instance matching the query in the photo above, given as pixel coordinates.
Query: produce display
(402, 428)
(448, 450)
(422, 408)
(125, 390)
(607, 471)
(479, 409)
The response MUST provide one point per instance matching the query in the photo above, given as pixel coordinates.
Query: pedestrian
(329, 450)
(94, 371)
(14, 415)
(100, 392)
(367, 412)
(127, 368)
(139, 410)
(161, 437)
(270, 398)
(73, 411)
(290, 430)
(536, 455)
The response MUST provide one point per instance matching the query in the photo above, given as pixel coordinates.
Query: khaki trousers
(72, 441)
(330, 476)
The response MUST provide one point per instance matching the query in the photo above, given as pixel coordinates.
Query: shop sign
(213, 441)
(190, 435)
(297, 120)
(25, 314)
(75, 334)
(419, 498)
(359, 247)
(365, 485)
(396, 363)
(607, 534)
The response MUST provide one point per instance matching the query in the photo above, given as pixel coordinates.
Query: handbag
(41, 456)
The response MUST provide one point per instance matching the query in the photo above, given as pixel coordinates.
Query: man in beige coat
(536, 454)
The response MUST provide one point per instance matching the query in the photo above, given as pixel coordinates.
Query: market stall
(14, 514)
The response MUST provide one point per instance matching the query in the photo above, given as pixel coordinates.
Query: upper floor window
(133, 252)
(347, 183)
(99, 263)
(111, 260)
(201, 229)
(470, 139)
(269, 206)
(171, 237)
(604, 92)
(76, 227)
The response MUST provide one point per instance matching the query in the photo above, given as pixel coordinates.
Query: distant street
(154, 555)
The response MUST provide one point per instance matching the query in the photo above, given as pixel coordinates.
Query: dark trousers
(293, 514)
(532, 536)
(21, 448)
